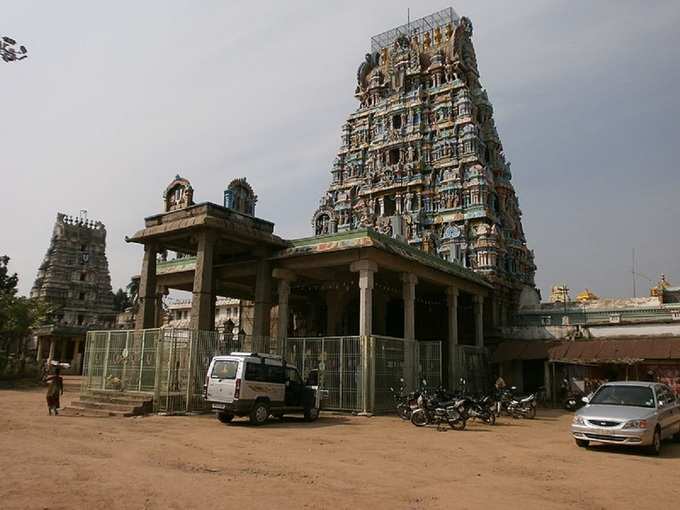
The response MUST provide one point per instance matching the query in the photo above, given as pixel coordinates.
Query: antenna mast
(634, 272)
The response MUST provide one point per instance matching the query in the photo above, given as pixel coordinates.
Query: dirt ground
(338, 462)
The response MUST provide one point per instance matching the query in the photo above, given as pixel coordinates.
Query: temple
(421, 159)
(74, 280)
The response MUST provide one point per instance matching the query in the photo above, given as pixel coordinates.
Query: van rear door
(222, 381)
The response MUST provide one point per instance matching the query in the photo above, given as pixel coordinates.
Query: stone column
(62, 349)
(284, 277)
(263, 298)
(39, 350)
(381, 202)
(146, 316)
(201, 300)
(365, 268)
(75, 362)
(50, 357)
(479, 320)
(409, 282)
(452, 302)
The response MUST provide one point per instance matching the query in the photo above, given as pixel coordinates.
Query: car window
(224, 369)
(663, 395)
(293, 376)
(624, 395)
(260, 372)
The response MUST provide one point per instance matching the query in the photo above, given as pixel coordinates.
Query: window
(83, 277)
(396, 121)
(393, 156)
(224, 370)
(81, 296)
(81, 319)
(623, 395)
(260, 372)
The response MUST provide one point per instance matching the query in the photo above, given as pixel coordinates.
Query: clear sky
(118, 97)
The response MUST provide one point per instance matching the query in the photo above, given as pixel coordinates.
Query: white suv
(259, 385)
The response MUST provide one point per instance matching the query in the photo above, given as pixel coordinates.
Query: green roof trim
(368, 237)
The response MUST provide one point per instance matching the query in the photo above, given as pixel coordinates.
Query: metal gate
(471, 364)
(338, 360)
(430, 362)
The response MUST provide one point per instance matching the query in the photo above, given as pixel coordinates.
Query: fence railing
(170, 365)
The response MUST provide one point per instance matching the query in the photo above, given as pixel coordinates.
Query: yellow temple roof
(586, 295)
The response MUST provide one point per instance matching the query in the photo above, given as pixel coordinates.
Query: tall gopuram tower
(421, 159)
(74, 279)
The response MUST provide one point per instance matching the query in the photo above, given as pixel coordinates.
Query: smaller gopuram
(74, 280)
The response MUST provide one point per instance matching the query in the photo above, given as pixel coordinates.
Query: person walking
(55, 388)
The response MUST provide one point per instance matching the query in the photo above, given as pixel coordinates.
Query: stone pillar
(146, 315)
(409, 282)
(39, 350)
(50, 357)
(62, 349)
(365, 268)
(452, 302)
(75, 362)
(263, 298)
(479, 320)
(158, 311)
(381, 202)
(201, 301)
(284, 277)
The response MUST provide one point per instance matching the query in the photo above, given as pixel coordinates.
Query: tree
(121, 300)
(18, 315)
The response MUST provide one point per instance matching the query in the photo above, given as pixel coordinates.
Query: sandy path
(338, 462)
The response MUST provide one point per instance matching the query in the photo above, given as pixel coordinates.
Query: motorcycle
(484, 410)
(517, 407)
(404, 402)
(435, 407)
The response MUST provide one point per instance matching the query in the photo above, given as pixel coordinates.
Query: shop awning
(521, 350)
(627, 351)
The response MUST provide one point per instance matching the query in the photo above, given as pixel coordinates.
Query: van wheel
(224, 417)
(259, 414)
(311, 414)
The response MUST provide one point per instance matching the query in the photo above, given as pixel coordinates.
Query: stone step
(92, 413)
(108, 406)
(123, 399)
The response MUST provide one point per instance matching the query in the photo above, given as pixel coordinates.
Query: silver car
(628, 413)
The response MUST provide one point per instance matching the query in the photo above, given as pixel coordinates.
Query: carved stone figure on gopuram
(421, 159)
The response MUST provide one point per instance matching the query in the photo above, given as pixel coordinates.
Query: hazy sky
(118, 97)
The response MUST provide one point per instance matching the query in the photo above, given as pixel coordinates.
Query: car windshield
(636, 396)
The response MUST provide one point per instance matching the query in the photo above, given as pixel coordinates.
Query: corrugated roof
(616, 350)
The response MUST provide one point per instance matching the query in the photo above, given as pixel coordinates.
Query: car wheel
(655, 447)
(259, 414)
(582, 443)
(224, 417)
(311, 414)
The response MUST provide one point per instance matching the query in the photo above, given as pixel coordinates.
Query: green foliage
(18, 314)
(121, 300)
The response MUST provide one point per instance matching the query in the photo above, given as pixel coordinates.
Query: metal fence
(471, 364)
(170, 365)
